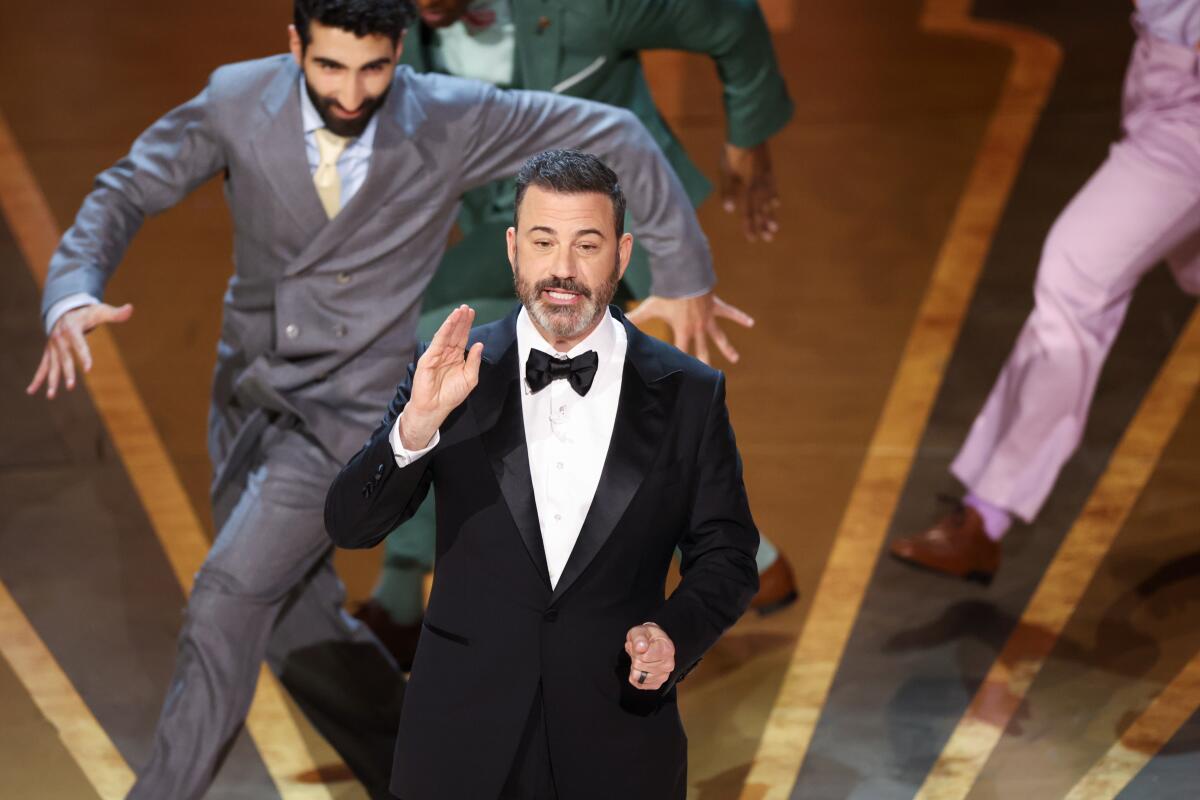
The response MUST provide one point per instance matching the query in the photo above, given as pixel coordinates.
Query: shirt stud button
(339, 330)
(343, 278)
(292, 331)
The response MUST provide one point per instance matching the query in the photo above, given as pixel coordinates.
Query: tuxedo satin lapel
(279, 147)
(496, 403)
(642, 414)
(397, 166)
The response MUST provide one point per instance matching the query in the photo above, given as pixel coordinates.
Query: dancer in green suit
(590, 49)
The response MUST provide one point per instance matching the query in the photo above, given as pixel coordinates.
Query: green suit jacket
(590, 49)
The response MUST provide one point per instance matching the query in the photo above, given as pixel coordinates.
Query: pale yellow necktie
(326, 178)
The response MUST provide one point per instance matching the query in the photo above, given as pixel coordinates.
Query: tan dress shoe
(776, 588)
(957, 545)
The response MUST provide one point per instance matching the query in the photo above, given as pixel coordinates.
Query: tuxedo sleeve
(507, 127)
(166, 162)
(372, 495)
(734, 35)
(719, 575)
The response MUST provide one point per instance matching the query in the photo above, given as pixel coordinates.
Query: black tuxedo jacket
(494, 628)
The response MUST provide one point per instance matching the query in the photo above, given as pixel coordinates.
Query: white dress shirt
(485, 54)
(352, 168)
(567, 435)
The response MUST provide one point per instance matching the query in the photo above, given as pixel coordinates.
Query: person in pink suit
(1140, 207)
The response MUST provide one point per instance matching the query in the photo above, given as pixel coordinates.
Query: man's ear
(511, 237)
(624, 252)
(296, 45)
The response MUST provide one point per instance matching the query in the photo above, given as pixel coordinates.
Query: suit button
(379, 471)
(551, 615)
(343, 278)
(339, 330)
(542, 24)
(366, 490)
(292, 331)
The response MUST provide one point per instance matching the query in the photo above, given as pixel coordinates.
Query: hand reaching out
(748, 178)
(693, 320)
(67, 343)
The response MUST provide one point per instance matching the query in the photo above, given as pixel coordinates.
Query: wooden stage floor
(933, 145)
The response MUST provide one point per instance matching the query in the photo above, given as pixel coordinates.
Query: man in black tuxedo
(572, 454)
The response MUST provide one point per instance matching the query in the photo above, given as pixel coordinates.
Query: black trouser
(531, 777)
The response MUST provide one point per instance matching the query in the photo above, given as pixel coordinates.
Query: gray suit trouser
(268, 590)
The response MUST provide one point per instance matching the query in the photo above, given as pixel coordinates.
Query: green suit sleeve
(734, 34)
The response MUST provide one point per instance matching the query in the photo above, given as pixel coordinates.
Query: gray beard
(566, 322)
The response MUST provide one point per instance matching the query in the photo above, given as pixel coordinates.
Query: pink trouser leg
(1128, 217)
(1141, 206)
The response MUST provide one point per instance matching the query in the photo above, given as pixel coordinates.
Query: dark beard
(349, 128)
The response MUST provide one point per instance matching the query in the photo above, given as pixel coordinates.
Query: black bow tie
(579, 371)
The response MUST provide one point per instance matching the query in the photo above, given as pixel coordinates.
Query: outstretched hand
(748, 180)
(67, 343)
(693, 322)
(445, 374)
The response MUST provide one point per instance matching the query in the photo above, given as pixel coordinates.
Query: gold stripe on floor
(894, 443)
(150, 470)
(1156, 726)
(60, 704)
(1070, 573)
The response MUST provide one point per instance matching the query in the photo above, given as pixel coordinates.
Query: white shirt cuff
(404, 456)
(71, 301)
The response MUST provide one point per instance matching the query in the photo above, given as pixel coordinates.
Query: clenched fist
(652, 654)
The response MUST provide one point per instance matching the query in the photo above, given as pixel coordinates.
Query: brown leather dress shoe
(776, 588)
(399, 640)
(956, 545)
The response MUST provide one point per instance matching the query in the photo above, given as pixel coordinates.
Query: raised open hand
(445, 374)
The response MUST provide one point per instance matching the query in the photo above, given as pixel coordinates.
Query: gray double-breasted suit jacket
(320, 314)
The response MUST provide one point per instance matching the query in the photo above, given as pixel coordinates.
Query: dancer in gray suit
(343, 175)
